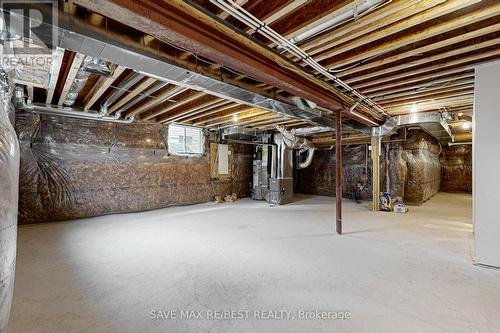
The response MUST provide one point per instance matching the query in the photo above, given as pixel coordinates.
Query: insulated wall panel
(456, 169)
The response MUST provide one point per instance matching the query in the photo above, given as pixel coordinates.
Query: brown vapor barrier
(319, 177)
(413, 169)
(456, 171)
(73, 168)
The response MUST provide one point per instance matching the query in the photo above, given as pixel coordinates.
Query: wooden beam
(133, 93)
(431, 98)
(225, 117)
(353, 37)
(274, 123)
(425, 104)
(447, 92)
(419, 50)
(55, 68)
(375, 173)
(187, 99)
(101, 86)
(75, 66)
(210, 102)
(434, 58)
(429, 85)
(378, 19)
(225, 15)
(310, 15)
(463, 60)
(217, 107)
(166, 93)
(253, 120)
(183, 25)
(283, 11)
(443, 76)
(440, 10)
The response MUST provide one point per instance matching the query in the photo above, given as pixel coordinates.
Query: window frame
(184, 152)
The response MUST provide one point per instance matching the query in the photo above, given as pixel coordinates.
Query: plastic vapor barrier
(72, 168)
(9, 180)
(456, 172)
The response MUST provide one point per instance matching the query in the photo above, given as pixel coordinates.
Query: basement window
(185, 140)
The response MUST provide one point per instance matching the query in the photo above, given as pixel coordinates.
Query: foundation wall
(410, 169)
(73, 168)
(456, 171)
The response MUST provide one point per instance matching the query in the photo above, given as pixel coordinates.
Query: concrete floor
(393, 273)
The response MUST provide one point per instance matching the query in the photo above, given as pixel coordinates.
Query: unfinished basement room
(250, 166)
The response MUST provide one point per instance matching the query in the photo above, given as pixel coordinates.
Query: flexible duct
(295, 142)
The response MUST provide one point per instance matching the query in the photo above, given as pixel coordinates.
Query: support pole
(376, 172)
(338, 171)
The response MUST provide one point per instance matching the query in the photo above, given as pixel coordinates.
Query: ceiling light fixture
(414, 108)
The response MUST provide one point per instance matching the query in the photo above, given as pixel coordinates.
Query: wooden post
(376, 172)
(338, 171)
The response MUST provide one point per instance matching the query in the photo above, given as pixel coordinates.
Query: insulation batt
(73, 168)
(9, 180)
(456, 171)
(414, 170)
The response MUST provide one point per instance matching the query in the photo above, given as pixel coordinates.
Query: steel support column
(338, 171)
(376, 172)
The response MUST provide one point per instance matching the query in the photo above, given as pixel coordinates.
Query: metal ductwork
(242, 134)
(431, 122)
(74, 34)
(295, 142)
(306, 131)
(99, 67)
(90, 66)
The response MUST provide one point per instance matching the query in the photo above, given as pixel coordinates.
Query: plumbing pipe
(247, 18)
(356, 11)
(124, 87)
(69, 112)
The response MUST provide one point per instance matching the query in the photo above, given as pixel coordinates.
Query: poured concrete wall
(456, 169)
(73, 168)
(9, 180)
(486, 161)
